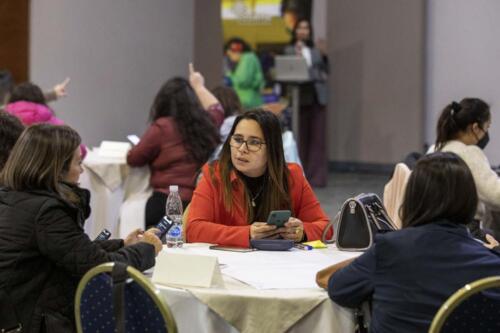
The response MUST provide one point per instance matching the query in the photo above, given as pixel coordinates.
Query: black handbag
(361, 218)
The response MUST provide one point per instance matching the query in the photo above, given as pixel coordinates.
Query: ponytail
(456, 117)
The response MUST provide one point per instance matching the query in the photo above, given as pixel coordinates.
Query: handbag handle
(330, 225)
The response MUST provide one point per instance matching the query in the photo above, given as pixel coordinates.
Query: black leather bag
(361, 218)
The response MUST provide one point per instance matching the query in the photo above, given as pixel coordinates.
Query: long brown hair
(275, 194)
(40, 158)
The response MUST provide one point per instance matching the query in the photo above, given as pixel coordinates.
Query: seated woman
(10, 130)
(463, 129)
(180, 139)
(28, 103)
(45, 251)
(236, 194)
(409, 273)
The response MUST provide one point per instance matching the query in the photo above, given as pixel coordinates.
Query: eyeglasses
(253, 144)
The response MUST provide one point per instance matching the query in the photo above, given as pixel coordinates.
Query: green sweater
(248, 80)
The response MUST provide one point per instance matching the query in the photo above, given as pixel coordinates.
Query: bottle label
(175, 231)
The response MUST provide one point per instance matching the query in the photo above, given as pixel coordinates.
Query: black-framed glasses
(253, 144)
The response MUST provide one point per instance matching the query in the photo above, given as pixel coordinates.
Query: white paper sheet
(294, 269)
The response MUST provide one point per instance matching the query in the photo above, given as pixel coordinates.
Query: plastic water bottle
(173, 210)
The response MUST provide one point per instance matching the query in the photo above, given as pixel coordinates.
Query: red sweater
(209, 222)
(162, 147)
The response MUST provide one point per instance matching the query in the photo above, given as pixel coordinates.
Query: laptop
(291, 68)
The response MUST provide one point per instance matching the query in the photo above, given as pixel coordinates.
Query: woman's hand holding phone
(259, 230)
(150, 237)
(293, 230)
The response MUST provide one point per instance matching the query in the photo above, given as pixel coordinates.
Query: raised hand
(60, 89)
(195, 78)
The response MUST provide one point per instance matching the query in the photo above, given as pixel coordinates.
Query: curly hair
(177, 99)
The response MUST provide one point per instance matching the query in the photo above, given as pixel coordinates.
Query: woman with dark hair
(10, 130)
(7, 84)
(251, 179)
(313, 99)
(181, 138)
(244, 72)
(27, 102)
(45, 251)
(462, 128)
(408, 274)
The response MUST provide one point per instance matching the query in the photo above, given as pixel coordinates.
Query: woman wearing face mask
(463, 129)
(236, 194)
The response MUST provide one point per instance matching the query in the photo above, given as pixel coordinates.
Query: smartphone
(278, 217)
(164, 226)
(232, 249)
(133, 138)
(103, 235)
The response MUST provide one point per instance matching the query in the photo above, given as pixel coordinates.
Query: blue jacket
(408, 274)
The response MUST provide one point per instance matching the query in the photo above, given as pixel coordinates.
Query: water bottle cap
(173, 188)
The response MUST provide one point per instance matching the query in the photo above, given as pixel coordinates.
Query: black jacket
(44, 252)
(409, 274)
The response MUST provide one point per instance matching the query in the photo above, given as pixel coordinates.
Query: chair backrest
(470, 309)
(144, 309)
(394, 192)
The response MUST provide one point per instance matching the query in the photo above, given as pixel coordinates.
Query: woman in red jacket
(237, 193)
(180, 139)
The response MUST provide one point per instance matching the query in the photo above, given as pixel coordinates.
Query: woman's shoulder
(295, 170)
(31, 201)
(29, 112)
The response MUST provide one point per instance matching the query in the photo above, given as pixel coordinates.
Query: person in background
(236, 193)
(45, 251)
(313, 99)
(231, 105)
(10, 130)
(463, 129)
(408, 274)
(181, 138)
(244, 72)
(28, 103)
(7, 84)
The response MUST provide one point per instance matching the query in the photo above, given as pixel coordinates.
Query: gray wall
(117, 53)
(208, 41)
(376, 106)
(463, 55)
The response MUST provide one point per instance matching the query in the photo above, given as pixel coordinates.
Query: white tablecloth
(113, 184)
(240, 307)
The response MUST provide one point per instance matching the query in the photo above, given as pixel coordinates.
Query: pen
(303, 247)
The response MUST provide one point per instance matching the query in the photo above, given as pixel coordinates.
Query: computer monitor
(291, 68)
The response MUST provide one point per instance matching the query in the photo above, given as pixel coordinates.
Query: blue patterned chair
(473, 308)
(140, 307)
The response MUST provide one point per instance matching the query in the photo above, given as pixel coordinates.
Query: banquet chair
(472, 308)
(114, 297)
